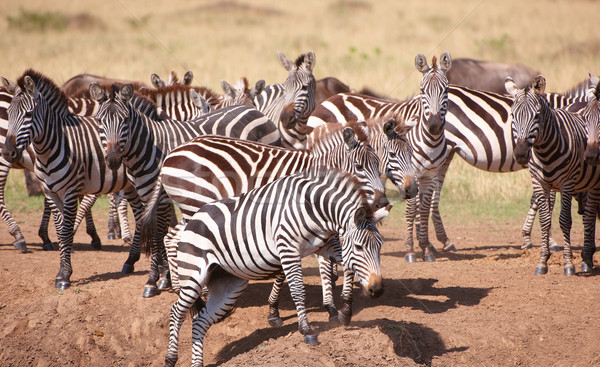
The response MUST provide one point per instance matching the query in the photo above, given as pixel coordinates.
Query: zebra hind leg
(273, 318)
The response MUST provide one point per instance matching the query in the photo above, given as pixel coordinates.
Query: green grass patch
(34, 21)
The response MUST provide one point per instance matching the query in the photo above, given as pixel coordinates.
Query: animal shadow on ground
(411, 340)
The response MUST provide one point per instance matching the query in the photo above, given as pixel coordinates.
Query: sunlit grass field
(363, 43)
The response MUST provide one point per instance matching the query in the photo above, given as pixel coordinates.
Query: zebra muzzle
(9, 150)
(521, 152)
(375, 287)
(114, 157)
(591, 154)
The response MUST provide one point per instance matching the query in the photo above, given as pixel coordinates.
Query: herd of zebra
(266, 175)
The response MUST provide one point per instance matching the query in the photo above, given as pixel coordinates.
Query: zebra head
(299, 97)
(525, 113)
(21, 126)
(591, 116)
(361, 253)
(114, 118)
(434, 91)
(240, 94)
(157, 81)
(396, 153)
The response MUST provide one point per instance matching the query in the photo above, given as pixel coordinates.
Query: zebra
(157, 81)
(120, 121)
(210, 168)
(27, 161)
(290, 104)
(68, 156)
(591, 115)
(260, 233)
(551, 142)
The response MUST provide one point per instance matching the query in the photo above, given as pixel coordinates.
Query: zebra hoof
(541, 270)
(47, 247)
(586, 268)
(150, 291)
(63, 285)
(334, 319)
(275, 321)
(344, 319)
(526, 246)
(311, 339)
(164, 284)
(410, 258)
(127, 269)
(20, 245)
(570, 270)
(554, 248)
(111, 236)
(449, 247)
(429, 258)
(433, 250)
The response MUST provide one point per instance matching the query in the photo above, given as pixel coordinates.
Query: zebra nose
(375, 287)
(591, 154)
(411, 188)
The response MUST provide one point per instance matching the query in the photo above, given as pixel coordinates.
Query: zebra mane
(434, 62)
(210, 96)
(300, 60)
(48, 88)
(333, 131)
(334, 177)
(84, 92)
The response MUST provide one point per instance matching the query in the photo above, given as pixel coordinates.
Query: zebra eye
(393, 154)
(358, 166)
(358, 247)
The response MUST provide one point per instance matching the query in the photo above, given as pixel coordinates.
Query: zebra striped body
(68, 155)
(290, 104)
(590, 113)
(255, 235)
(552, 142)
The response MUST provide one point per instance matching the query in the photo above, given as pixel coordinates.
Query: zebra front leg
(43, 230)
(64, 223)
(552, 245)
(273, 318)
(327, 285)
(113, 218)
(13, 227)
(589, 224)
(158, 276)
(436, 217)
(566, 222)
(345, 314)
(545, 221)
(138, 208)
(293, 274)
(411, 213)
(426, 187)
(528, 225)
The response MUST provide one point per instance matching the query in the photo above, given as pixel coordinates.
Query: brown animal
(76, 84)
(328, 87)
(489, 76)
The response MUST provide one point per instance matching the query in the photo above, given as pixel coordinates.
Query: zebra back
(291, 103)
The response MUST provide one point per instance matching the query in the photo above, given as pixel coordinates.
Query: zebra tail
(197, 307)
(148, 219)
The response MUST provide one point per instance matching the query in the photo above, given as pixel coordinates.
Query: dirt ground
(478, 306)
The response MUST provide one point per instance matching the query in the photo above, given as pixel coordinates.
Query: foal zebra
(551, 141)
(257, 234)
(141, 143)
(68, 155)
(290, 104)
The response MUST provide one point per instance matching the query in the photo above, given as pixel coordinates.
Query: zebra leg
(64, 224)
(13, 227)
(273, 318)
(411, 213)
(589, 223)
(542, 197)
(85, 210)
(134, 252)
(224, 290)
(552, 245)
(345, 314)
(124, 231)
(293, 274)
(327, 285)
(171, 242)
(436, 217)
(566, 222)
(43, 230)
(158, 276)
(528, 225)
(426, 187)
(113, 219)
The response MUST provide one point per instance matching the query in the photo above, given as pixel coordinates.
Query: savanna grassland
(478, 306)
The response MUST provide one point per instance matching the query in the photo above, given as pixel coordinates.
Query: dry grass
(361, 42)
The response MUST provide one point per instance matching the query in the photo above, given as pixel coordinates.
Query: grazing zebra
(552, 142)
(290, 104)
(121, 121)
(27, 162)
(257, 234)
(68, 156)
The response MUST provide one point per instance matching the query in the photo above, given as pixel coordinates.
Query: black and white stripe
(257, 234)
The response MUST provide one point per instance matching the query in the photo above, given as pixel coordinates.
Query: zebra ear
(349, 137)
(359, 215)
(9, 85)
(29, 84)
(126, 92)
(445, 62)
(309, 60)
(96, 92)
(284, 61)
(228, 89)
(199, 101)
(157, 82)
(510, 86)
(389, 128)
(257, 89)
(188, 77)
(421, 63)
(539, 85)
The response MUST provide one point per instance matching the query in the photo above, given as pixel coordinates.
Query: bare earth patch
(480, 305)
